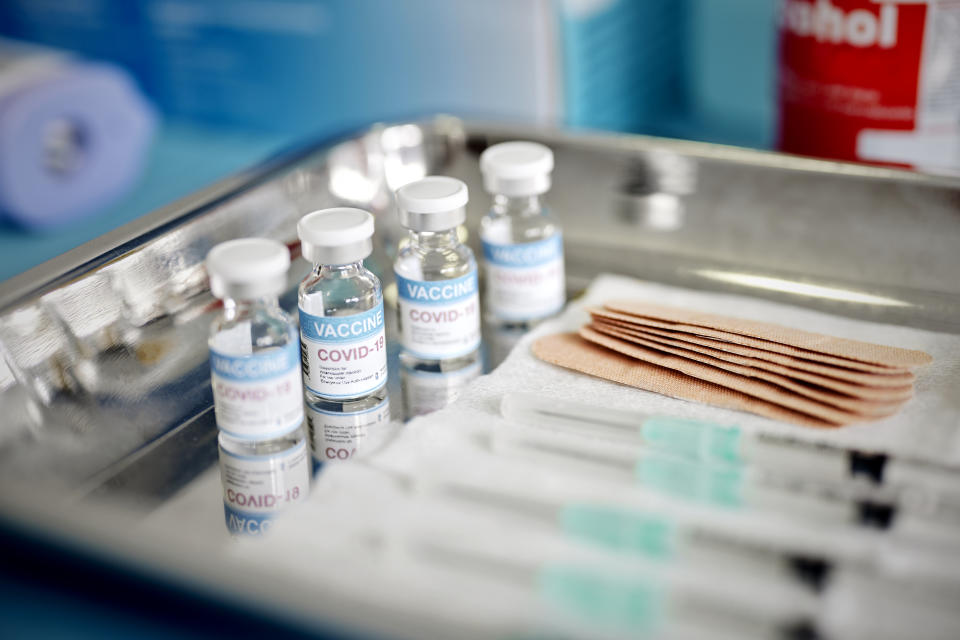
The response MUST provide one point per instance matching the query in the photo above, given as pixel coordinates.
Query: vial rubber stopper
(336, 236)
(248, 268)
(434, 203)
(517, 169)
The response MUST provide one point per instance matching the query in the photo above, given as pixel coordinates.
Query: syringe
(728, 486)
(627, 595)
(928, 489)
(701, 574)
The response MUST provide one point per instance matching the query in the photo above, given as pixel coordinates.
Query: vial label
(255, 488)
(340, 436)
(525, 280)
(439, 319)
(259, 395)
(344, 356)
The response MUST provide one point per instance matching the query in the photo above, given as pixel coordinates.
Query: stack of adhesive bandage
(771, 370)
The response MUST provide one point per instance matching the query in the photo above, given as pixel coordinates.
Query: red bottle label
(865, 80)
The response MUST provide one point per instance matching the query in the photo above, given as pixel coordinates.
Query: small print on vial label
(439, 319)
(525, 281)
(255, 488)
(258, 395)
(344, 356)
(336, 436)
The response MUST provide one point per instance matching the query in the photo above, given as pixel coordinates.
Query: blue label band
(525, 254)
(246, 523)
(437, 292)
(263, 365)
(342, 328)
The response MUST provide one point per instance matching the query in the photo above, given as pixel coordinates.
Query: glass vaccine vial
(344, 354)
(437, 287)
(522, 244)
(257, 391)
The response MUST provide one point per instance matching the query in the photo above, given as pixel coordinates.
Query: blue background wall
(239, 81)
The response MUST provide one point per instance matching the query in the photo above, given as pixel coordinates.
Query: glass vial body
(523, 262)
(342, 332)
(342, 336)
(338, 435)
(522, 244)
(261, 477)
(344, 360)
(437, 291)
(255, 371)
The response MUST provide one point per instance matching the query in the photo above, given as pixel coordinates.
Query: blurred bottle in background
(871, 80)
(620, 64)
(276, 65)
(730, 72)
(859, 79)
(686, 68)
(73, 135)
(314, 67)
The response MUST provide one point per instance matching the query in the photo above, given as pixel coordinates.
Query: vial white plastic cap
(336, 236)
(434, 203)
(248, 268)
(517, 169)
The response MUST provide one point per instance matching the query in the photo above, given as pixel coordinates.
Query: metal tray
(104, 382)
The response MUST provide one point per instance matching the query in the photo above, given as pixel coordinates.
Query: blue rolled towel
(73, 136)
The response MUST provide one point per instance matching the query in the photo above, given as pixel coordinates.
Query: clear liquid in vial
(342, 291)
(435, 257)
